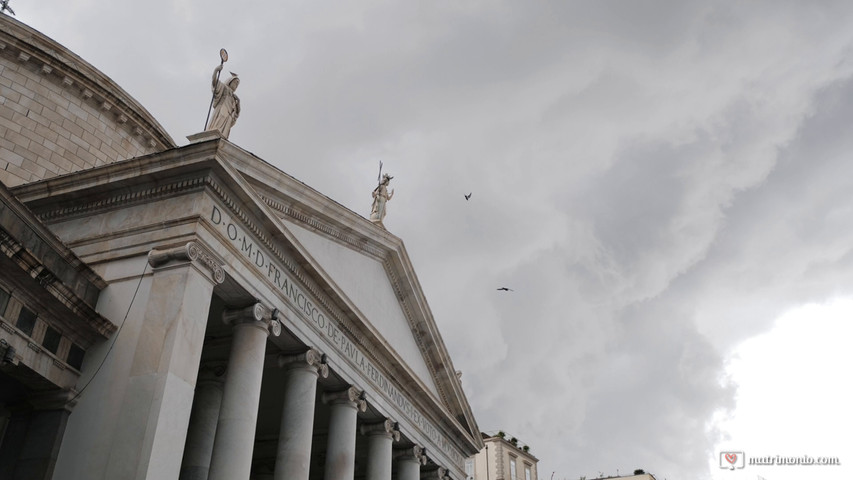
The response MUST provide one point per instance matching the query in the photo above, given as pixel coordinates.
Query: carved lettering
(216, 216)
(277, 276)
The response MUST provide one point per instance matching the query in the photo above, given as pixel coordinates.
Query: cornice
(34, 268)
(65, 212)
(354, 242)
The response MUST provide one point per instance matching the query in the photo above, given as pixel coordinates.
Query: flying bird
(468, 197)
(506, 289)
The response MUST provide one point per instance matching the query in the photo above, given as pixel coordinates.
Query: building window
(51, 340)
(4, 301)
(26, 321)
(527, 474)
(469, 468)
(513, 475)
(75, 356)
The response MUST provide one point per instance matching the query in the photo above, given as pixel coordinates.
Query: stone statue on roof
(380, 198)
(226, 104)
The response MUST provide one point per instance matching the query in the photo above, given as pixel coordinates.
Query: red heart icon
(731, 458)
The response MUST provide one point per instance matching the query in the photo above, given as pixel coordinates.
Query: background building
(503, 457)
(638, 475)
(193, 312)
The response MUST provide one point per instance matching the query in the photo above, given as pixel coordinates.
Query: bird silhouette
(468, 197)
(506, 289)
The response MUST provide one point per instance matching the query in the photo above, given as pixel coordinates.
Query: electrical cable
(115, 339)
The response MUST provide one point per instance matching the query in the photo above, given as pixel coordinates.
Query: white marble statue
(226, 105)
(380, 198)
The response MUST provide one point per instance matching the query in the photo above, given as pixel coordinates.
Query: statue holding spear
(380, 197)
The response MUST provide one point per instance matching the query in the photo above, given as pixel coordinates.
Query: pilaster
(136, 398)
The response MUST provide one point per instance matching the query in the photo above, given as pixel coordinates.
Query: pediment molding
(123, 199)
(395, 264)
(389, 257)
(356, 243)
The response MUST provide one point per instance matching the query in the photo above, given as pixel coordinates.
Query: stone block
(77, 111)
(18, 171)
(92, 140)
(9, 156)
(31, 104)
(59, 101)
(36, 116)
(23, 90)
(12, 95)
(10, 180)
(48, 134)
(28, 155)
(8, 114)
(85, 124)
(52, 116)
(24, 121)
(18, 139)
(38, 87)
(31, 166)
(15, 76)
(52, 168)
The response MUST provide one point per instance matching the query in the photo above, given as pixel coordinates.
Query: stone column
(409, 463)
(297, 417)
(340, 450)
(380, 448)
(202, 429)
(238, 414)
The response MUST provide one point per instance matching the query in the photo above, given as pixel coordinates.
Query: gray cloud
(657, 181)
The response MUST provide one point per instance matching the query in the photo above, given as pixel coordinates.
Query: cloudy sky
(664, 184)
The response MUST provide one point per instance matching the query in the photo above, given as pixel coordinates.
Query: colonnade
(221, 436)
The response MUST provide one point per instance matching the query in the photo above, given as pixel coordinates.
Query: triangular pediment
(364, 280)
(369, 270)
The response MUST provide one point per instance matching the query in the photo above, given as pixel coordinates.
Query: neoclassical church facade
(193, 312)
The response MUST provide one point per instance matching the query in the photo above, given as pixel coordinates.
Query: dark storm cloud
(656, 180)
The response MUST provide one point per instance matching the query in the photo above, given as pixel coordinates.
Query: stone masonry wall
(57, 117)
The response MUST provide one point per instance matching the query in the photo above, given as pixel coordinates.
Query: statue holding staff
(380, 199)
(225, 103)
